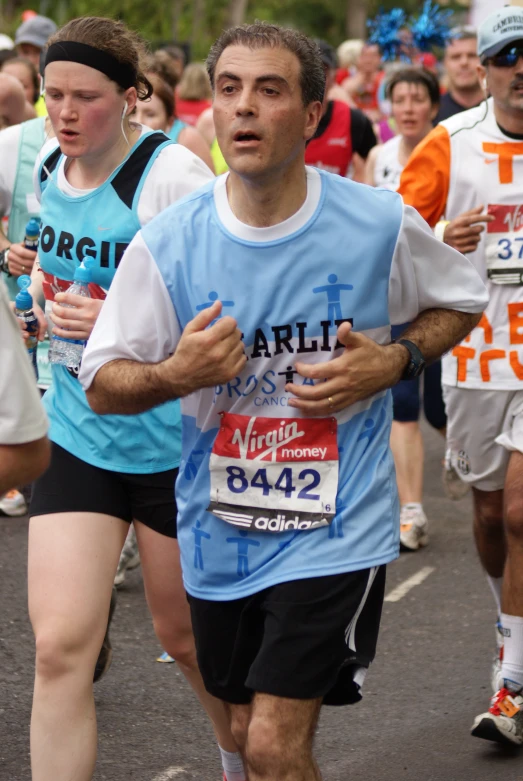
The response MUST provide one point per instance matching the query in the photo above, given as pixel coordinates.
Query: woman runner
(106, 179)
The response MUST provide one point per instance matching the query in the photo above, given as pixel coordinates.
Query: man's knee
(273, 749)
(179, 643)
(514, 517)
(488, 512)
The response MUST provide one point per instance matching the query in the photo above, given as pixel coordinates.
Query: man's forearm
(124, 387)
(435, 331)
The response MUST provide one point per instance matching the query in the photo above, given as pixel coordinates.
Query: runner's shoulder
(466, 120)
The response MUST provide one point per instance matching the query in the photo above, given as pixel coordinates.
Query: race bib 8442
(274, 474)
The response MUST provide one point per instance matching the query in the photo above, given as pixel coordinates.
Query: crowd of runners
(281, 243)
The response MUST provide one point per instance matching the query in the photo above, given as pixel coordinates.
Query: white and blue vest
(100, 225)
(288, 296)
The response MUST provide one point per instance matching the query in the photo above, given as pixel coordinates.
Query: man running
(293, 482)
(461, 70)
(473, 163)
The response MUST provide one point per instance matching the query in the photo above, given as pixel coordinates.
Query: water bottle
(32, 234)
(24, 312)
(68, 352)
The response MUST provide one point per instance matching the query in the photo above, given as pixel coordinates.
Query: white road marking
(400, 591)
(171, 772)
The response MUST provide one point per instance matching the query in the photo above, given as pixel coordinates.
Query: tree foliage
(199, 22)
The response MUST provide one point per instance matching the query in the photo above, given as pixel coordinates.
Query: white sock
(495, 586)
(512, 665)
(232, 765)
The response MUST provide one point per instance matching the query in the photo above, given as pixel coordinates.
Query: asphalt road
(429, 680)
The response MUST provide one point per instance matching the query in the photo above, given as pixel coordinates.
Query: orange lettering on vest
(484, 360)
(463, 354)
(487, 328)
(515, 319)
(517, 367)
(505, 152)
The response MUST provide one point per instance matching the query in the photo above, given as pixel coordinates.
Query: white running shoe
(13, 504)
(413, 527)
(453, 486)
(129, 557)
(503, 722)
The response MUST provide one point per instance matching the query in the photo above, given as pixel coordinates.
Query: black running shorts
(70, 485)
(303, 639)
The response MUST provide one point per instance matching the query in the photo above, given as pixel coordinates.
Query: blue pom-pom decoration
(384, 31)
(431, 28)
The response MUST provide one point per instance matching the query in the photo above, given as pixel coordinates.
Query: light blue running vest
(100, 225)
(282, 294)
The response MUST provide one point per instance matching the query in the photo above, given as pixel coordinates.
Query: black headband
(72, 51)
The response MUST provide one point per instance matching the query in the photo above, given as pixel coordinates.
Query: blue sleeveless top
(100, 225)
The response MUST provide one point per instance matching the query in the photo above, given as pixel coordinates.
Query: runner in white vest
(469, 171)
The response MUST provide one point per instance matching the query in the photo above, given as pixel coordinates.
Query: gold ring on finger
(23, 269)
(331, 403)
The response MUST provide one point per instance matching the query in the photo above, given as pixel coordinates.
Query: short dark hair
(265, 35)
(463, 32)
(415, 75)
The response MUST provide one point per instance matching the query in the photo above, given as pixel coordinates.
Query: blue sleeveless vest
(100, 225)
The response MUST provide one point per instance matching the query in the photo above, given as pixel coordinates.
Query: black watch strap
(416, 363)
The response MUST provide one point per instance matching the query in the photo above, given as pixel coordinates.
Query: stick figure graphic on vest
(288, 374)
(213, 296)
(243, 552)
(192, 464)
(367, 433)
(333, 291)
(199, 534)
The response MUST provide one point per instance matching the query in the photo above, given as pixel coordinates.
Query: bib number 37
(274, 474)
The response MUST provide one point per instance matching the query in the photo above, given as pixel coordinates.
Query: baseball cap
(499, 29)
(36, 31)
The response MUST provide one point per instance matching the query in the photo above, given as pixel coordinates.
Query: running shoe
(105, 656)
(503, 722)
(13, 504)
(129, 557)
(453, 486)
(495, 676)
(165, 658)
(413, 527)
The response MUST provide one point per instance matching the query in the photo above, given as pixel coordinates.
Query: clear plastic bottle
(68, 352)
(24, 312)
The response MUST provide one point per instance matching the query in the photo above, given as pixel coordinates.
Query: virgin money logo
(276, 439)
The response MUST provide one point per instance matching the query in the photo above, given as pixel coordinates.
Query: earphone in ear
(124, 110)
(485, 85)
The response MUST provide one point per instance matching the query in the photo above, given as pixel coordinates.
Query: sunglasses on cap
(508, 56)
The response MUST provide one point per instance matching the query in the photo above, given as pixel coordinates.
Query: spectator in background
(344, 136)
(177, 56)
(23, 69)
(32, 36)
(461, 73)
(14, 108)
(348, 53)
(159, 113)
(24, 447)
(363, 87)
(31, 41)
(194, 93)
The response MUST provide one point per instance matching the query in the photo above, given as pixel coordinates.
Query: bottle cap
(33, 227)
(24, 300)
(83, 273)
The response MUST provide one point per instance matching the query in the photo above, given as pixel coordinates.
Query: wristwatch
(416, 363)
(3, 261)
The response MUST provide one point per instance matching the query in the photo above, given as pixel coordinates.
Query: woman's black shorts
(70, 485)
